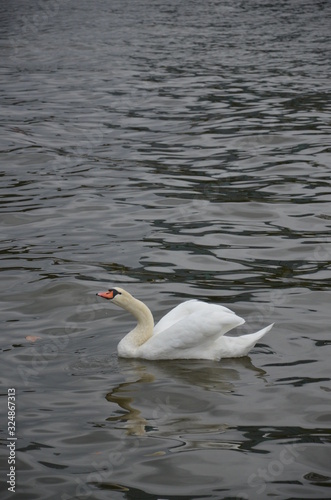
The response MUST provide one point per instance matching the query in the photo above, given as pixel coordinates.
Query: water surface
(180, 150)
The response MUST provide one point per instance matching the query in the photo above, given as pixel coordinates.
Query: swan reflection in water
(176, 394)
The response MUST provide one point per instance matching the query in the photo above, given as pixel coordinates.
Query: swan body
(192, 330)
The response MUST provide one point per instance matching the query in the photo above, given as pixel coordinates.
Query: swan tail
(258, 335)
(236, 347)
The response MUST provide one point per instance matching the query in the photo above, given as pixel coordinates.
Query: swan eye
(114, 292)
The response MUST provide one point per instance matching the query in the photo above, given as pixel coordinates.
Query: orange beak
(106, 295)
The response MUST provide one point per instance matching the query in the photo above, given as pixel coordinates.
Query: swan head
(116, 295)
(120, 297)
(124, 299)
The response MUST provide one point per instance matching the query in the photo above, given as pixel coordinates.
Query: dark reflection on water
(182, 150)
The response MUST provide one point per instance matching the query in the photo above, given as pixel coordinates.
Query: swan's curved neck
(145, 323)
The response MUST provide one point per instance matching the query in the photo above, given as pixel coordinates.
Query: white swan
(192, 330)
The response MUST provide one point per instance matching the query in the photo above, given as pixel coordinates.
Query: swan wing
(192, 336)
(184, 310)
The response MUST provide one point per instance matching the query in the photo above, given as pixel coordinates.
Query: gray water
(181, 150)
